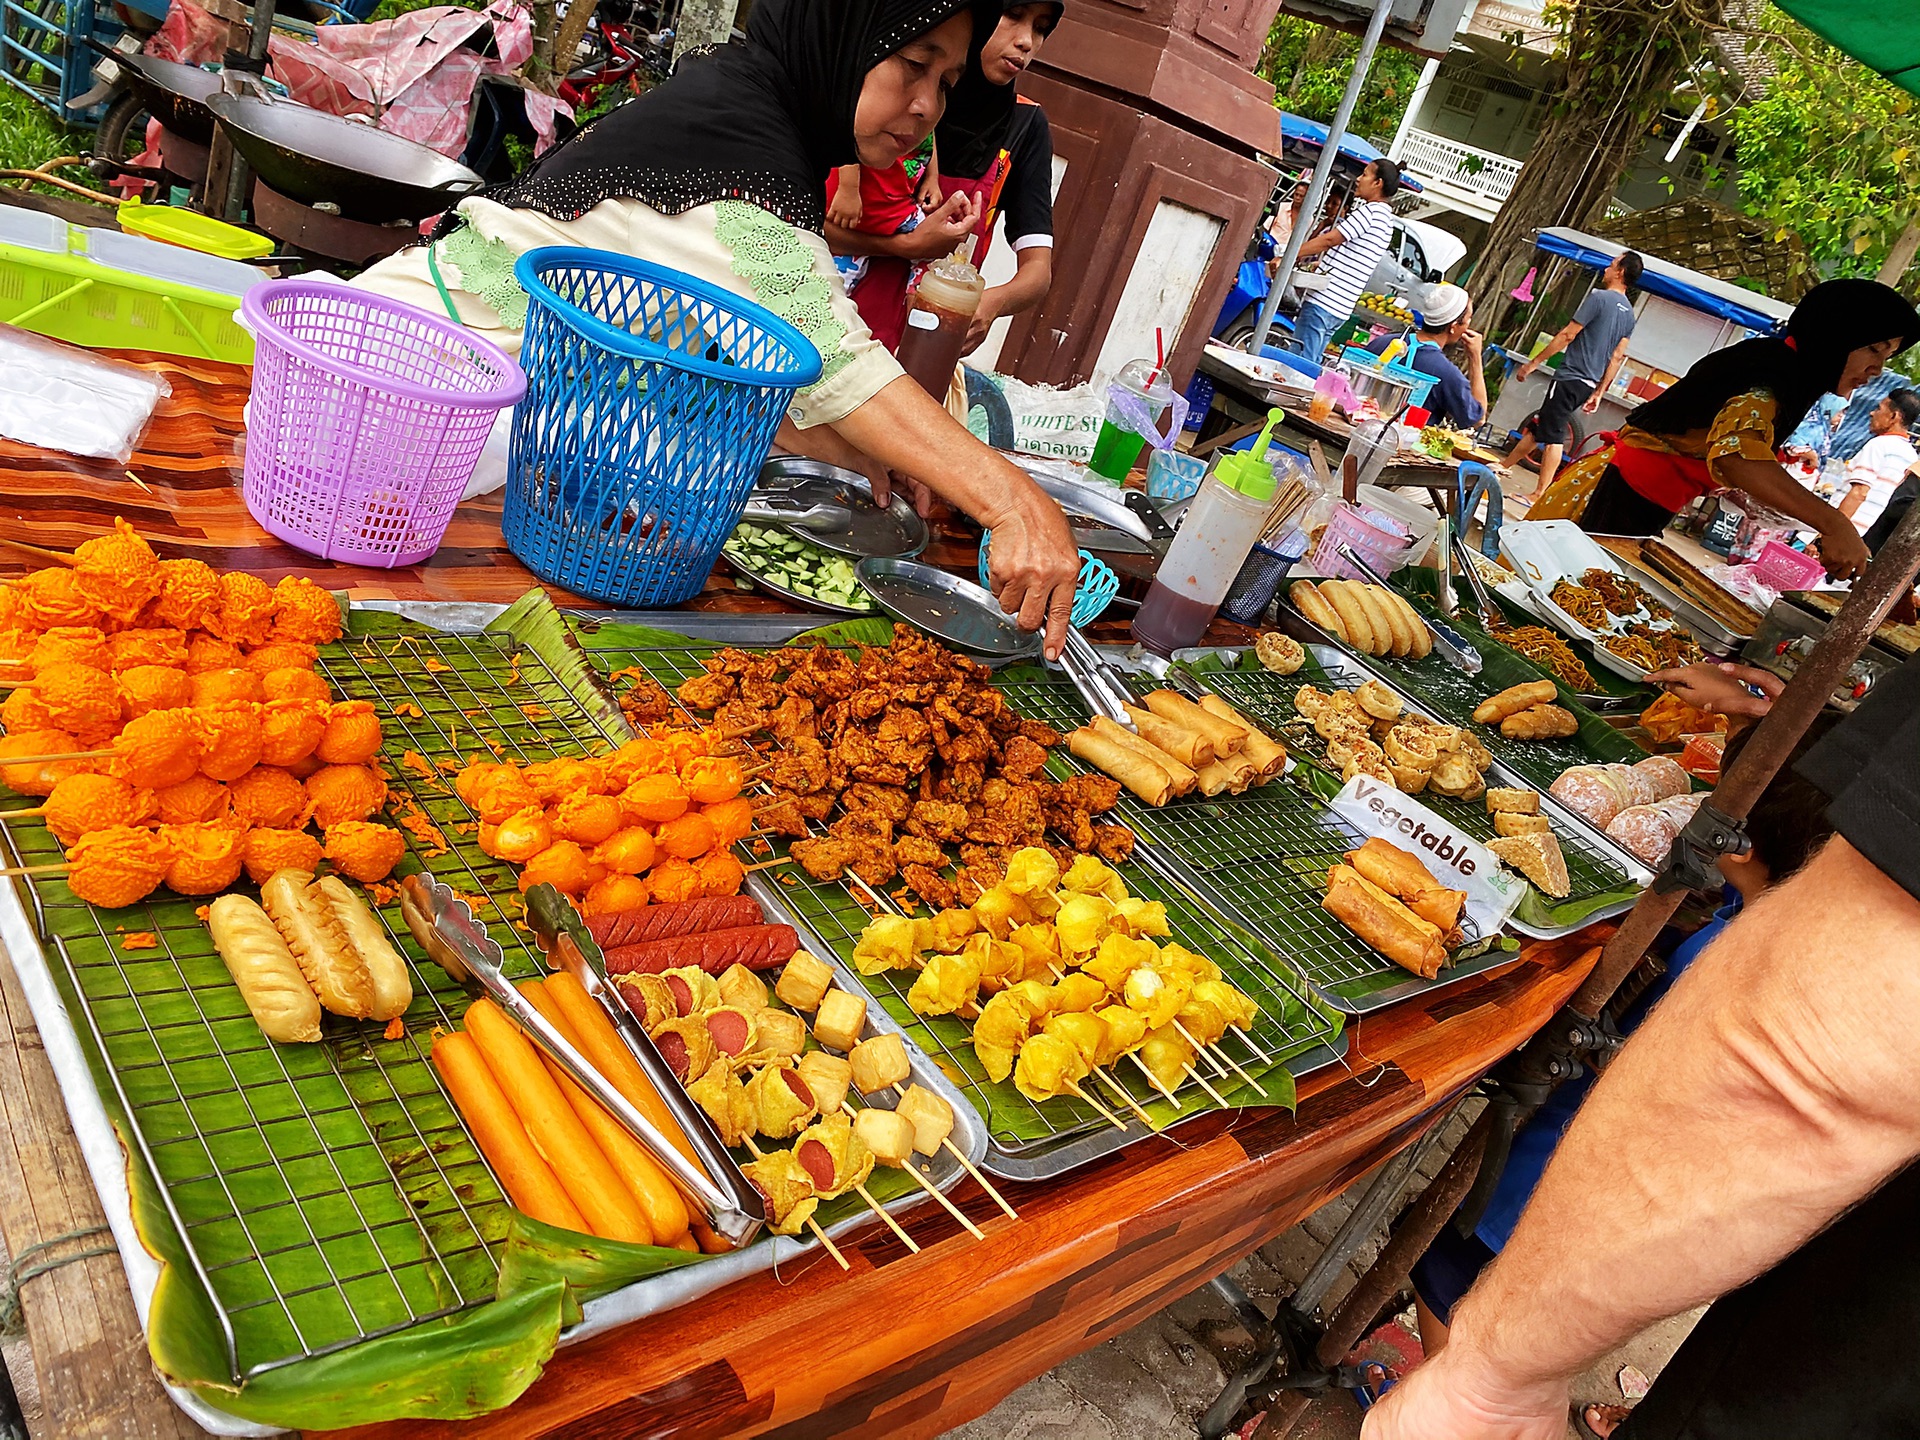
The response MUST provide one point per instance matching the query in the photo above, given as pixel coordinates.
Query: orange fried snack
(210, 652)
(555, 780)
(289, 683)
(687, 837)
(289, 729)
(52, 598)
(627, 852)
(16, 644)
(188, 592)
(117, 571)
(39, 778)
(720, 874)
(496, 792)
(655, 799)
(563, 865)
(672, 881)
(160, 748)
(206, 858)
(231, 740)
(587, 818)
(70, 645)
(732, 820)
(161, 645)
(519, 837)
(265, 851)
(345, 792)
(686, 746)
(22, 710)
(245, 612)
(364, 852)
(230, 686)
(80, 804)
(14, 614)
(281, 655)
(352, 736)
(153, 687)
(711, 779)
(117, 866)
(614, 892)
(193, 800)
(634, 759)
(270, 798)
(81, 700)
(304, 613)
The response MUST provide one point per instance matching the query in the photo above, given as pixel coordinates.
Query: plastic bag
(61, 397)
(1062, 424)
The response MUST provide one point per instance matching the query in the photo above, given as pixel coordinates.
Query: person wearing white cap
(1445, 317)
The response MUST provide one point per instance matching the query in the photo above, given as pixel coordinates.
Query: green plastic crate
(70, 297)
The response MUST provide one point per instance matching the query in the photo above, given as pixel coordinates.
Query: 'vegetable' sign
(1455, 858)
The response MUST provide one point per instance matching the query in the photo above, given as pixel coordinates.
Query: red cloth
(886, 198)
(883, 296)
(1670, 481)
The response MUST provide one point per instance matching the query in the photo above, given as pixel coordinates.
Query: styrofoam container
(137, 256)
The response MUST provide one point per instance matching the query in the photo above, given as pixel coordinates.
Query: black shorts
(1553, 423)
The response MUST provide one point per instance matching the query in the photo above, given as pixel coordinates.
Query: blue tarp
(1760, 313)
(1311, 134)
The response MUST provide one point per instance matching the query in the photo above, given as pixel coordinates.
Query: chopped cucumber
(796, 566)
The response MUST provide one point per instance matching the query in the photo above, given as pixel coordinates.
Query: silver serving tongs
(1483, 605)
(448, 931)
(774, 509)
(1103, 690)
(1448, 641)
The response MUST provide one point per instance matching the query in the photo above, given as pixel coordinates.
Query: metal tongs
(1448, 641)
(774, 509)
(1484, 608)
(1099, 683)
(448, 931)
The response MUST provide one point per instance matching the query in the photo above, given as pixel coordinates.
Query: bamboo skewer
(979, 1179)
(138, 481)
(1247, 1040)
(1214, 1051)
(1201, 1080)
(1113, 1081)
(6, 815)
(50, 759)
(1154, 1080)
(1200, 1049)
(1112, 1119)
(56, 557)
(59, 869)
(749, 869)
(933, 1190)
(892, 1224)
(812, 1224)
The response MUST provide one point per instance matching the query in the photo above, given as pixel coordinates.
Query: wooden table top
(903, 1346)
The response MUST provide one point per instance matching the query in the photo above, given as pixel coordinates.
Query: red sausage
(673, 1050)
(818, 1163)
(681, 991)
(801, 1091)
(666, 920)
(758, 947)
(730, 1030)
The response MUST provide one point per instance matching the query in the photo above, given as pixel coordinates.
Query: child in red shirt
(882, 202)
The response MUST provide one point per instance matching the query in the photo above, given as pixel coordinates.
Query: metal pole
(1317, 187)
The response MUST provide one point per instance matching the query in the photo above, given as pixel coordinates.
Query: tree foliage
(1308, 64)
(1831, 151)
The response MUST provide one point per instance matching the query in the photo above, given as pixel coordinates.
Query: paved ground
(1154, 1381)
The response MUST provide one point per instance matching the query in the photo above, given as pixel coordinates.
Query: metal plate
(794, 597)
(874, 533)
(947, 607)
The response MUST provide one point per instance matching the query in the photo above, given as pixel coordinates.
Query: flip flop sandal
(1377, 1382)
(1578, 1414)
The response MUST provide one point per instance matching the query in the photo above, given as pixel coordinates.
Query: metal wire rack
(325, 1194)
(1292, 1021)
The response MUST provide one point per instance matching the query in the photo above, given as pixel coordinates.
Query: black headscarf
(763, 119)
(1833, 320)
(979, 117)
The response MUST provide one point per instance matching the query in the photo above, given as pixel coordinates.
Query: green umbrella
(1883, 38)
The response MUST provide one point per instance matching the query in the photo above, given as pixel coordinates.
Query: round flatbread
(1353, 615)
(1310, 602)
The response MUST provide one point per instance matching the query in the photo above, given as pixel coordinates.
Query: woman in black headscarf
(721, 173)
(1720, 424)
(995, 152)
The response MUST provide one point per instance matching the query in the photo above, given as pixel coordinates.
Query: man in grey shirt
(1596, 342)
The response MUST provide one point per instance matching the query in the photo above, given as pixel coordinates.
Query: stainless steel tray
(946, 607)
(793, 597)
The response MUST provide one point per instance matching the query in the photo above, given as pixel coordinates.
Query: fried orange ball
(627, 852)
(364, 852)
(303, 770)
(153, 687)
(563, 865)
(231, 686)
(210, 652)
(498, 793)
(52, 598)
(159, 646)
(587, 818)
(732, 820)
(160, 748)
(555, 780)
(720, 874)
(70, 645)
(711, 779)
(118, 572)
(39, 777)
(519, 837)
(206, 858)
(117, 866)
(189, 591)
(230, 740)
(289, 730)
(245, 612)
(304, 613)
(345, 792)
(281, 655)
(22, 710)
(265, 851)
(634, 759)
(289, 683)
(687, 837)
(16, 645)
(655, 799)
(685, 746)
(270, 798)
(82, 701)
(613, 893)
(80, 804)
(192, 801)
(352, 736)
(14, 614)
(672, 881)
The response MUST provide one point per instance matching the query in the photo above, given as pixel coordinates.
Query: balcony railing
(1434, 157)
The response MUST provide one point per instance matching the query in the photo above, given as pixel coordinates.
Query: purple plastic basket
(366, 420)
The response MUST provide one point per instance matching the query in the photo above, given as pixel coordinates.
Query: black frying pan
(175, 95)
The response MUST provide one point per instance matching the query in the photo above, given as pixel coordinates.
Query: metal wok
(175, 95)
(316, 158)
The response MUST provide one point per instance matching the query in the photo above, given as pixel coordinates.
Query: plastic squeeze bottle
(1218, 532)
(943, 309)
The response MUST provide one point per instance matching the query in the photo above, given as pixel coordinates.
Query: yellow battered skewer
(812, 1224)
(1154, 1080)
(928, 1186)
(1213, 1052)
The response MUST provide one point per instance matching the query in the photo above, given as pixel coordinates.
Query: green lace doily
(486, 271)
(770, 256)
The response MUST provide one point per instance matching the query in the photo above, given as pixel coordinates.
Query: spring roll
(1132, 769)
(1182, 776)
(1227, 737)
(1235, 774)
(1268, 754)
(1189, 747)
(1383, 922)
(1402, 876)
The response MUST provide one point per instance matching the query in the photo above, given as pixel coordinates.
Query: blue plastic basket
(1092, 593)
(652, 399)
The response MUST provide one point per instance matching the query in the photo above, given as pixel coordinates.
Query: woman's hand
(1721, 689)
(1434, 1403)
(942, 231)
(983, 319)
(1843, 552)
(1033, 565)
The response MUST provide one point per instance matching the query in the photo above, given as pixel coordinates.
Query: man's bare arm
(1759, 1101)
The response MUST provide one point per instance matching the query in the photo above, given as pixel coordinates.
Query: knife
(1448, 641)
(1113, 542)
(1159, 533)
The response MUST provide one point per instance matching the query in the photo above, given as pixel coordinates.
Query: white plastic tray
(1543, 552)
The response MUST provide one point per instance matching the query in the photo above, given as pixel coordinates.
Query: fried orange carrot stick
(529, 1180)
